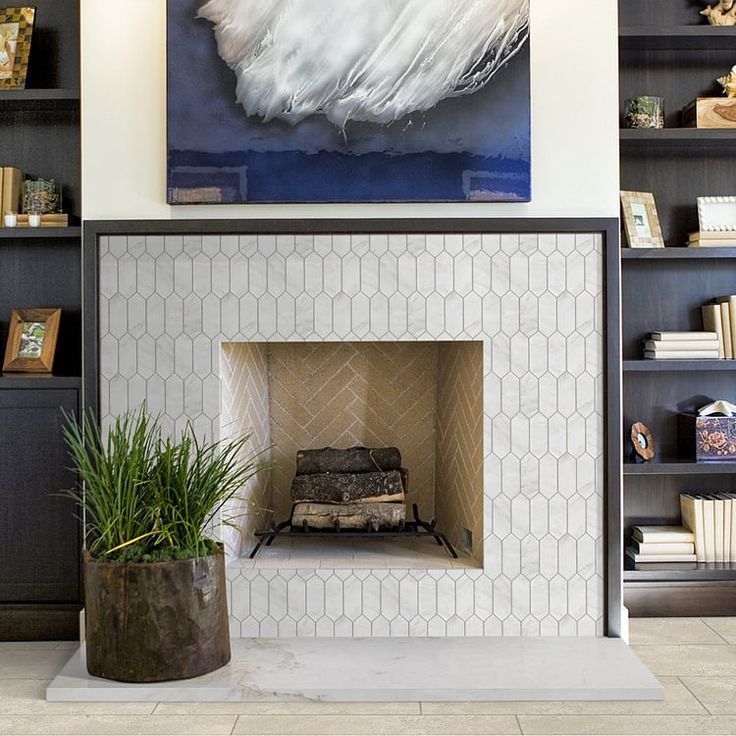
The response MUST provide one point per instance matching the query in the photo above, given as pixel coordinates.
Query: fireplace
(423, 397)
(180, 315)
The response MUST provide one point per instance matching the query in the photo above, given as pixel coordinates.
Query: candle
(11, 219)
(34, 219)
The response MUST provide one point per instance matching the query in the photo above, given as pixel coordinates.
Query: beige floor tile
(116, 725)
(678, 700)
(650, 631)
(295, 708)
(723, 626)
(28, 697)
(625, 725)
(32, 663)
(376, 725)
(689, 660)
(717, 694)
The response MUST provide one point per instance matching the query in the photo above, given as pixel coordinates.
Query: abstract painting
(348, 101)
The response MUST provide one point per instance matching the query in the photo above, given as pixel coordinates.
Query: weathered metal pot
(150, 622)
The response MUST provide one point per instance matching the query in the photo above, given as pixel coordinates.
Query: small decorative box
(708, 439)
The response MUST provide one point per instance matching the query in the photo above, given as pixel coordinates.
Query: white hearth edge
(392, 670)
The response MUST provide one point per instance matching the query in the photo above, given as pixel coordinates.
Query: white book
(713, 235)
(667, 336)
(691, 509)
(663, 548)
(659, 345)
(733, 528)
(718, 524)
(726, 322)
(731, 301)
(638, 558)
(683, 354)
(709, 528)
(713, 323)
(727, 514)
(662, 534)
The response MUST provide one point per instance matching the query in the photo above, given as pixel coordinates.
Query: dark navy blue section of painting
(214, 146)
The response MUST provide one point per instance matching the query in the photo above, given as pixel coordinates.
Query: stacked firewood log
(356, 488)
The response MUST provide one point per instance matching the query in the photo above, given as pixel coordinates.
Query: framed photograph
(16, 29)
(641, 221)
(32, 340)
(717, 214)
(348, 101)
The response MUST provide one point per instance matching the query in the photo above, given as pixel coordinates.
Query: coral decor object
(723, 14)
(728, 82)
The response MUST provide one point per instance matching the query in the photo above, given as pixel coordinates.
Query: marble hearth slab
(398, 669)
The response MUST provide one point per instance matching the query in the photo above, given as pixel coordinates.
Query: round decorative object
(642, 441)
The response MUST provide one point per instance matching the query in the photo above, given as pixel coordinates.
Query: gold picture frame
(32, 340)
(16, 30)
(641, 221)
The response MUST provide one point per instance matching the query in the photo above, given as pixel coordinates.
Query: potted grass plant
(155, 595)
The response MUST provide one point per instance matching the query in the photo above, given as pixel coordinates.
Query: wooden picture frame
(32, 339)
(641, 221)
(16, 30)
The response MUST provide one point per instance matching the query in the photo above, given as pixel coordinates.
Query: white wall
(574, 120)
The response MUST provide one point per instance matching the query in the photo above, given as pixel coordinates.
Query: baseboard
(39, 621)
(680, 599)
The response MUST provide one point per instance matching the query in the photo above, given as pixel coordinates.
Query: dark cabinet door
(39, 530)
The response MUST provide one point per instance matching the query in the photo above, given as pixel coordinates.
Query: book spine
(726, 321)
(664, 548)
(712, 323)
(691, 509)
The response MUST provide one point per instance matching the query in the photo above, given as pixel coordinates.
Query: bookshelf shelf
(674, 253)
(670, 366)
(679, 467)
(39, 99)
(678, 571)
(12, 382)
(685, 37)
(40, 233)
(676, 136)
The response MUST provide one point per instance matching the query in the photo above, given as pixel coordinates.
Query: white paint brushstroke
(365, 60)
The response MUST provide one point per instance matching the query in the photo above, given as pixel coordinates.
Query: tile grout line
(235, 725)
(703, 705)
(518, 724)
(718, 634)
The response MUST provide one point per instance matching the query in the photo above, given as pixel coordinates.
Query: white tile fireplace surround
(171, 307)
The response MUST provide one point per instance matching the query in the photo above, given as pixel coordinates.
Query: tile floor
(695, 659)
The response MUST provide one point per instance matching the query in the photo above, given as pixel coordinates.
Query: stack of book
(720, 317)
(682, 345)
(712, 518)
(701, 239)
(661, 544)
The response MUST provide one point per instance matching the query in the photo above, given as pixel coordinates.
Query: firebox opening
(424, 398)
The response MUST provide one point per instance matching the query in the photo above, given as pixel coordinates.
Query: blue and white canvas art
(348, 101)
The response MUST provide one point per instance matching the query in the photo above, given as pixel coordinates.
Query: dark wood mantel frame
(607, 227)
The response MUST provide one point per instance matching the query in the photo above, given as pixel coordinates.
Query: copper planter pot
(151, 622)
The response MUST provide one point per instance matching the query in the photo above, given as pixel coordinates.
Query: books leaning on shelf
(682, 345)
(716, 239)
(11, 190)
(720, 317)
(662, 544)
(712, 519)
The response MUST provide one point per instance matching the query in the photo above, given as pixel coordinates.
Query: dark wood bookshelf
(684, 37)
(677, 253)
(679, 467)
(678, 59)
(9, 381)
(670, 366)
(41, 233)
(678, 571)
(39, 99)
(40, 593)
(677, 136)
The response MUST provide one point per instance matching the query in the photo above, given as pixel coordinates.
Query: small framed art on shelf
(32, 341)
(16, 29)
(641, 221)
